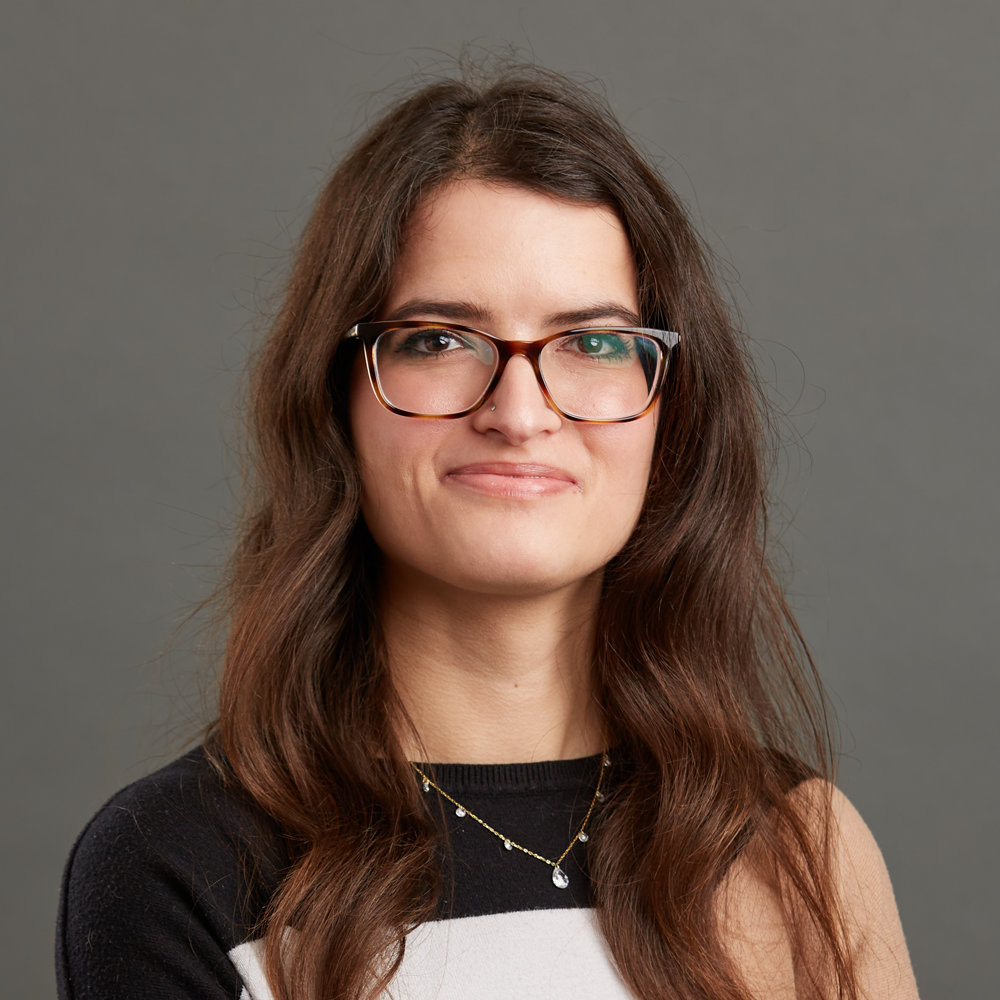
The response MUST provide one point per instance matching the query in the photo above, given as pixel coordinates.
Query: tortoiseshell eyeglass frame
(368, 334)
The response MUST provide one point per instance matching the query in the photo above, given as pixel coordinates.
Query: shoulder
(183, 818)
(174, 866)
(143, 813)
(758, 912)
(868, 903)
(164, 810)
(856, 862)
(832, 815)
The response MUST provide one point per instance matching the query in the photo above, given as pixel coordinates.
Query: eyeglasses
(440, 371)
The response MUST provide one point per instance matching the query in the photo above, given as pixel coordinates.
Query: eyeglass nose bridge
(531, 351)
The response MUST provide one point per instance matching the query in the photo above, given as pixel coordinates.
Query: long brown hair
(700, 669)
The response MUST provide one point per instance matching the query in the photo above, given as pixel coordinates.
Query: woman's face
(514, 498)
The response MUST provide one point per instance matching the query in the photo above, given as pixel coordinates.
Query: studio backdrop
(841, 160)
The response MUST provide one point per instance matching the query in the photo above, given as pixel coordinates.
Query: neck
(488, 679)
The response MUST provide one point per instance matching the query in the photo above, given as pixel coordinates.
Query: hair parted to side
(704, 681)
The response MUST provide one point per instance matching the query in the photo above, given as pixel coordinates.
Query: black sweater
(165, 887)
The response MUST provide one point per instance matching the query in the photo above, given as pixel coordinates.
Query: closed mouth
(513, 470)
(513, 480)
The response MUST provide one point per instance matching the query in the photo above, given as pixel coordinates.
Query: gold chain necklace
(559, 878)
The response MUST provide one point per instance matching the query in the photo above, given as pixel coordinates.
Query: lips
(518, 480)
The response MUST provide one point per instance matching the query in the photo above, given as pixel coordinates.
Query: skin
(495, 527)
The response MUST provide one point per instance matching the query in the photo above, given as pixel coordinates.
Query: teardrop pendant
(583, 837)
(427, 785)
(508, 845)
(459, 812)
(559, 878)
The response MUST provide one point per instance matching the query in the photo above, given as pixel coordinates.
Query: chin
(511, 559)
(522, 570)
(514, 582)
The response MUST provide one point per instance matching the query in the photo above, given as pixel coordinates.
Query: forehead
(514, 251)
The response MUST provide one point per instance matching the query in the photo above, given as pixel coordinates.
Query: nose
(517, 408)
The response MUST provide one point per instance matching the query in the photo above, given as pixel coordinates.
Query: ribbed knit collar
(542, 776)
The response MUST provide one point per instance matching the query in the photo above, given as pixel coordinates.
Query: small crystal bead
(507, 844)
(559, 878)
(607, 762)
(427, 785)
(460, 812)
(583, 837)
(600, 796)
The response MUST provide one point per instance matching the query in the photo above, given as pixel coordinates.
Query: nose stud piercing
(493, 407)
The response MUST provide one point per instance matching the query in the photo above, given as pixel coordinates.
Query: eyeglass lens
(593, 374)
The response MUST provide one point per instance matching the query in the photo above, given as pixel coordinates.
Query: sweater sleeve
(155, 894)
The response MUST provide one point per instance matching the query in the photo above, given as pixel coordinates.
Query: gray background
(159, 159)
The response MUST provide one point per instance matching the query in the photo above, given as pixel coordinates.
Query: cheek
(376, 431)
(631, 462)
(626, 452)
(395, 457)
(623, 454)
(373, 437)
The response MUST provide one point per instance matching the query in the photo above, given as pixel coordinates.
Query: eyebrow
(601, 310)
(459, 310)
(470, 312)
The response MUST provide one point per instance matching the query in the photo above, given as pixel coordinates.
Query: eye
(599, 344)
(431, 341)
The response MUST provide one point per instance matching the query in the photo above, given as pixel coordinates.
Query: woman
(511, 703)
